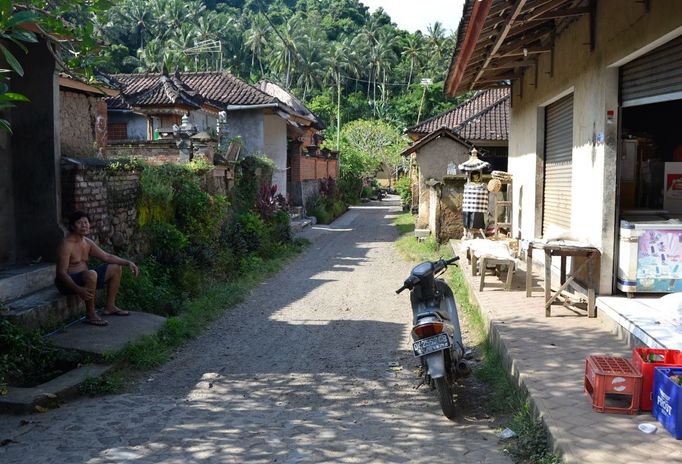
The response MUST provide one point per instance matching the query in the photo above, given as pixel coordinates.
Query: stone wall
(448, 220)
(450, 224)
(83, 120)
(109, 198)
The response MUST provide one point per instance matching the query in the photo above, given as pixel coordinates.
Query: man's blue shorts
(79, 280)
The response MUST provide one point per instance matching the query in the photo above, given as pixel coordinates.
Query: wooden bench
(486, 261)
(481, 258)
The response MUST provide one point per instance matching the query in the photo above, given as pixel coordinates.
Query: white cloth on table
(489, 249)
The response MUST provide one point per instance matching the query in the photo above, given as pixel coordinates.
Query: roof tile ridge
(483, 112)
(471, 100)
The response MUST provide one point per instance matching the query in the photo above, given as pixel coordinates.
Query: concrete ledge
(44, 308)
(17, 281)
(49, 394)
(97, 341)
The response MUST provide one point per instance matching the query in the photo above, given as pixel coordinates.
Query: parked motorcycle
(436, 332)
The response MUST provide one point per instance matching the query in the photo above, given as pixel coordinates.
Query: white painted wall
(275, 147)
(622, 33)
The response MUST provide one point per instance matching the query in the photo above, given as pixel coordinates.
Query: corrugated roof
(485, 116)
(217, 88)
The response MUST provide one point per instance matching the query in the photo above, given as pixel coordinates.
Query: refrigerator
(650, 256)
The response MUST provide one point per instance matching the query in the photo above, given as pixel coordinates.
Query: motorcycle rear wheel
(444, 392)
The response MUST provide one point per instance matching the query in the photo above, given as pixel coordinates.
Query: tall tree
(256, 39)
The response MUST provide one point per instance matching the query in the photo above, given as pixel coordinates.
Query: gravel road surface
(315, 366)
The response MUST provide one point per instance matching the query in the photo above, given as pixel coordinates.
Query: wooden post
(529, 270)
(548, 280)
(591, 306)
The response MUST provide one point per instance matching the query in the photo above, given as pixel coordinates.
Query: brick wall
(312, 167)
(83, 124)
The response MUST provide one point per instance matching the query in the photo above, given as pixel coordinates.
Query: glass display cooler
(650, 256)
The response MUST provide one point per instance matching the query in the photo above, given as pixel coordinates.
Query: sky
(412, 15)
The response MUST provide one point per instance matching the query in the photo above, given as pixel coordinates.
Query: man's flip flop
(119, 312)
(97, 322)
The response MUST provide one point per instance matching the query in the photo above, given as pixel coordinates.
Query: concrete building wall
(433, 159)
(7, 233)
(248, 125)
(137, 124)
(204, 120)
(275, 147)
(591, 77)
(35, 152)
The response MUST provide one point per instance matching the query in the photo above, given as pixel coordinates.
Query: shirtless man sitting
(74, 277)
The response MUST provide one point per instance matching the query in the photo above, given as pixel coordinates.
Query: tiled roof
(485, 116)
(217, 88)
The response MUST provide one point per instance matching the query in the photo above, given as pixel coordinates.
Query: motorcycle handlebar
(439, 265)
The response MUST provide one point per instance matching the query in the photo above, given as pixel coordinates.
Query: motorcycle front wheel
(445, 397)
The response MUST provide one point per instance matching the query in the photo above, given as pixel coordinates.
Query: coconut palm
(255, 38)
(284, 52)
(413, 51)
(310, 65)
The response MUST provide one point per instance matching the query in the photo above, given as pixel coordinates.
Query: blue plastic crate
(667, 400)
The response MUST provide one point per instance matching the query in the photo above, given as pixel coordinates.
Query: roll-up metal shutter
(558, 164)
(654, 77)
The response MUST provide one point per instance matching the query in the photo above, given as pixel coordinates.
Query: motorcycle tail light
(428, 330)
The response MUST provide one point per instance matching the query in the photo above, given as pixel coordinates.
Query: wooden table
(564, 250)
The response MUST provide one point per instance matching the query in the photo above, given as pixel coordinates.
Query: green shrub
(338, 208)
(25, 357)
(248, 234)
(281, 227)
(167, 244)
(404, 188)
(151, 291)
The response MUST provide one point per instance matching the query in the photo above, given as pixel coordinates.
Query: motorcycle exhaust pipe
(462, 369)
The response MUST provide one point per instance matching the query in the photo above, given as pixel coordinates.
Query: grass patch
(213, 300)
(531, 445)
(98, 386)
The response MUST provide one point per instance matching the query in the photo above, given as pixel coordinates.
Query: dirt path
(315, 366)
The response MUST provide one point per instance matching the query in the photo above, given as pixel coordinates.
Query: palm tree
(412, 50)
(256, 40)
(137, 15)
(436, 37)
(284, 49)
(339, 61)
(310, 64)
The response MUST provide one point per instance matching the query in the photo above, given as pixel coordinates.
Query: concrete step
(50, 394)
(300, 224)
(296, 213)
(96, 341)
(18, 281)
(87, 339)
(43, 309)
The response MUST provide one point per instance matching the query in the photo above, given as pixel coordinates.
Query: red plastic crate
(671, 358)
(613, 384)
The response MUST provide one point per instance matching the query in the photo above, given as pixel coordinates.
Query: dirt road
(315, 366)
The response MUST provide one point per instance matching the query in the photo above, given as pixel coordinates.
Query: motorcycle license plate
(431, 344)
